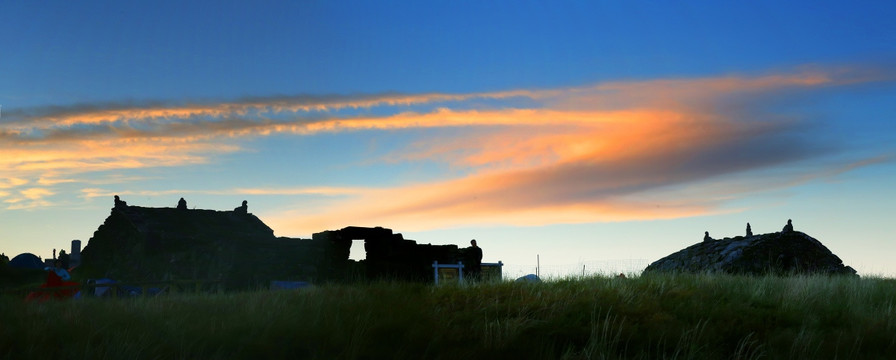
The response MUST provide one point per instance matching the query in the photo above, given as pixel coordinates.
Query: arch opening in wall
(357, 252)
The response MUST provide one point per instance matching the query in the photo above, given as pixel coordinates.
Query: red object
(53, 281)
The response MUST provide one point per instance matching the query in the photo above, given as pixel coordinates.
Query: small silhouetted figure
(788, 227)
(749, 231)
(475, 259)
(181, 204)
(706, 236)
(243, 209)
(120, 204)
(65, 259)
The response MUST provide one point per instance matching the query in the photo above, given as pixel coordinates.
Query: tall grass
(648, 317)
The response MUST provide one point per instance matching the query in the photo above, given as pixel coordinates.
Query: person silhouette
(242, 209)
(181, 204)
(749, 231)
(475, 260)
(788, 227)
(706, 236)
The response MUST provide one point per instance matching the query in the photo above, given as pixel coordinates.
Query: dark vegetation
(649, 317)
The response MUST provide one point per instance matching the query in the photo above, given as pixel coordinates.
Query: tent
(54, 288)
(26, 261)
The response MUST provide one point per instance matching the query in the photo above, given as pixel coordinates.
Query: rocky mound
(784, 252)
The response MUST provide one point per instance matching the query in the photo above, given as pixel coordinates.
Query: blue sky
(584, 132)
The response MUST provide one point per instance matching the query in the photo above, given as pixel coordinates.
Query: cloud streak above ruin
(608, 151)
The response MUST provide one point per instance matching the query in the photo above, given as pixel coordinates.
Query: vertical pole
(583, 270)
(538, 266)
(460, 270)
(435, 271)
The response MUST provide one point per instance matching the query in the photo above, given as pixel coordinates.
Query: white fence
(580, 269)
(455, 272)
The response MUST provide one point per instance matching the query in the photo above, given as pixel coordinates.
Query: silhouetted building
(76, 253)
(147, 244)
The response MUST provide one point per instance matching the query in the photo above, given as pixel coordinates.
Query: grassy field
(648, 317)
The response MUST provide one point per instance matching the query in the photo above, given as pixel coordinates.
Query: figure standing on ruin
(474, 258)
(181, 204)
(788, 227)
(65, 259)
(243, 209)
(706, 236)
(120, 204)
(749, 231)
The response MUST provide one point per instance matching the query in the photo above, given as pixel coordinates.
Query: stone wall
(152, 244)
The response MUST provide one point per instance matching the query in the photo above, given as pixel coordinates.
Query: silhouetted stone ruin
(785, 252)
(148, 244)
(389, 255)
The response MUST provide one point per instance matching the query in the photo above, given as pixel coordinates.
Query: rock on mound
(774, 253)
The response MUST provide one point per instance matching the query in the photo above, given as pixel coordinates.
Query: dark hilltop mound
(785, 252)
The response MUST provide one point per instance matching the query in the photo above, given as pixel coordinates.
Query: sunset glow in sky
(577, 132)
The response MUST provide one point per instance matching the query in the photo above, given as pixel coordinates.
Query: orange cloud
(574, 154)
(588, 167)
(98, 114)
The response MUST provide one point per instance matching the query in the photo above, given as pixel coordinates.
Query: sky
(579, 136)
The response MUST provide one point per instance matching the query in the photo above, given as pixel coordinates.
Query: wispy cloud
(596, 172)
(28, 198)
(602, 152)
(90, 193)
(127, 112)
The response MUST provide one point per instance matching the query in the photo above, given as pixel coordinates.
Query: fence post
(435, 271)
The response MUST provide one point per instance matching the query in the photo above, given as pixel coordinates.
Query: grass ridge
(657, 316)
